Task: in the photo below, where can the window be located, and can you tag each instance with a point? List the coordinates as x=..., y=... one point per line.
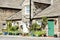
x=27, y=9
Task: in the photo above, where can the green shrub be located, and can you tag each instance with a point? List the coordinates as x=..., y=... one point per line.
x=38, y=33
x=1, y=33
x=34, y=27
x=12, y=30
x=44, y=22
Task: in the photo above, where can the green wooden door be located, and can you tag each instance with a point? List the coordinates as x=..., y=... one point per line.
x=50, y=28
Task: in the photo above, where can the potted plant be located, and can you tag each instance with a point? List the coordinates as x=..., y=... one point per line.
x=12, y=30
x=55, y=35
x=4, y=31
x=35, y=29
x=44, y=22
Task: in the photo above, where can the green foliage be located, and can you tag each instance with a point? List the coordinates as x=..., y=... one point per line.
x=44, y=22
x=12, y=29
x=9, y=24
x=38, y=33
x=37, y=30
x=1, y=33
x=34, y=26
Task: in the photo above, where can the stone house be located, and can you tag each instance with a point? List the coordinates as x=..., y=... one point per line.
x=17, y=12
x=9, y=10
x=51, y=10
x=22, y=17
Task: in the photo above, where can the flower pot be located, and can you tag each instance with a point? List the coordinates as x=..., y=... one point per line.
x=10, y=33
x=5, y=33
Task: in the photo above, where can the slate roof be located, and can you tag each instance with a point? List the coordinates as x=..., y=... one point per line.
x=15, y=16
x=11, y=3
x=53, y=10
x=42, y=1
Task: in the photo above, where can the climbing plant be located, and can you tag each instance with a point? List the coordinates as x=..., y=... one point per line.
x=44, y=22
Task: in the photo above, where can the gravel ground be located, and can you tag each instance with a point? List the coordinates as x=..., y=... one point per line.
x=26, y=38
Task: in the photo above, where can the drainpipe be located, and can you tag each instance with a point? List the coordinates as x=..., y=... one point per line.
x=30, y=15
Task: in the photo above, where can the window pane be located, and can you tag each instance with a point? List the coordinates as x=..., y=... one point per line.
x=27, y=9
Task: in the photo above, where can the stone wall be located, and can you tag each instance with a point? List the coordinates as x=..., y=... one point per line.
x=4, y=14
x=59, y=24
x=25, y=15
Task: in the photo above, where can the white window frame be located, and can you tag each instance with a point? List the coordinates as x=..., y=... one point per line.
x=27, y=10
